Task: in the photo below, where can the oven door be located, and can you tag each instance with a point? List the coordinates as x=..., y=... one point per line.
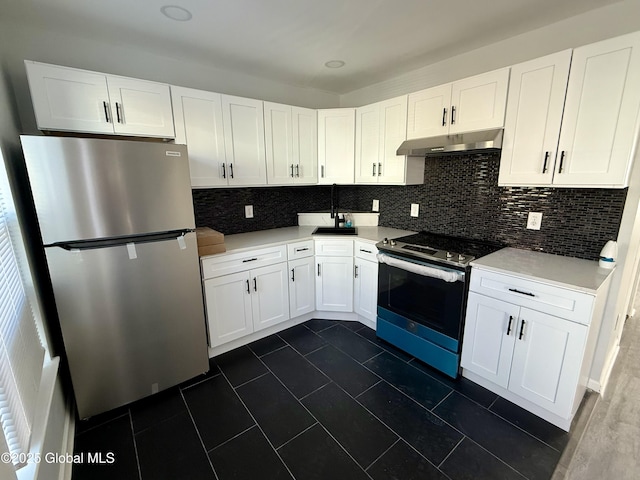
x=422, y=296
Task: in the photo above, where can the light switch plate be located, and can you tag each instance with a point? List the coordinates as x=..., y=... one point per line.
x=415, y=209
x=376, y=206
x=248, y=211
x=534, y=220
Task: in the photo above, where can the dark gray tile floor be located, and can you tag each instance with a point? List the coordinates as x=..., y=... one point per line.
x=322, y=400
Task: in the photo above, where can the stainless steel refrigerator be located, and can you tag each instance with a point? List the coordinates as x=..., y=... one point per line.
x=117, y=225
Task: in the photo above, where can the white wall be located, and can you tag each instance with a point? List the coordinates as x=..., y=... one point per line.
x=613, y=20
x=23, y=42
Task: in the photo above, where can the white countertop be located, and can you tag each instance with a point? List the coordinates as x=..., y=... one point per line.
x=568, y=272
x=278, y=236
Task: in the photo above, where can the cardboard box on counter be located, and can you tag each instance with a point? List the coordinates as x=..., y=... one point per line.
x=208, y=236
x=211, y=249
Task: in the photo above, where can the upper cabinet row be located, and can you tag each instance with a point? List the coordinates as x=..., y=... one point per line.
x=572, y=117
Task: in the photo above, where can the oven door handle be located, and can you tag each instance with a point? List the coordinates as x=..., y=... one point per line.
x=434, y=271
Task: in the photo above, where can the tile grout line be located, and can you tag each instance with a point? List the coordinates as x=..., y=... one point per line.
x=316, y=350
x=441, y=401
x=299, y=434
x=272, y=351
x=193, y=422
x=452, y=450
x=248, y=381
x=365, y=391
x=135, y=445
x=384, y=453
x=232, y=438
x=316, y=390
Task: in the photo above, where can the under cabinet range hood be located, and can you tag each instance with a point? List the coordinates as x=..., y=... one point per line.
x=485, y=140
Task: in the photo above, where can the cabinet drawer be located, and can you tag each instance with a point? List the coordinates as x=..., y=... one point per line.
x=551, y=299
x=300, y=249
x=334, y=248
x=367, y=251
x=238, y=262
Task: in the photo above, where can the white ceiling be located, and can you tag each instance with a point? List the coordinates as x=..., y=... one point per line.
x=290, y=40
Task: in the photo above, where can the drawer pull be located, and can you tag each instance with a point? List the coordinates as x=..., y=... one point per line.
x=521, y=330
x=365, y=251
x=248, y=289
x=249, y=260
x=509, y=326
x=302, y=249
x=515, y=290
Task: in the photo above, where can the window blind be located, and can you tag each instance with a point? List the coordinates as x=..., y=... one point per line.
x=21, y=351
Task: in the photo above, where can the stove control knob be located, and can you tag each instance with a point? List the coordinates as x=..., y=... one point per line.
x=461, y=258
x=393, y=243
x=385, y=241
x=449, y=254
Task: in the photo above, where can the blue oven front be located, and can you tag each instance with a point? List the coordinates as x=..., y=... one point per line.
x=421, y=311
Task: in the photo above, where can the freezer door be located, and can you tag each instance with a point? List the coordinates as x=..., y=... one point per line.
x=132, y=319
x=92, y=188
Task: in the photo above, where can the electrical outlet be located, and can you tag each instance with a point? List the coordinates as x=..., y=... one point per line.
x=415, y=209
x=376, y=206
x=248, y=211
x=534, y=220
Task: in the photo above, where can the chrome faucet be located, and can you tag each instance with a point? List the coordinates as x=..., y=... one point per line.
x=334, y=206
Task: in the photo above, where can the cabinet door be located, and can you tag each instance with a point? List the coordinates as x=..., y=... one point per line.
x=270, y=295
x=305, y=145
x=336, y=145
x=547, y=360
x=365, y=288
x=532, y=124
x=228, y=301
x=334, y=284
x=278, y=140
x=301, y=286
x=489, y=337
x=198, y=122
x=428, y=112
x=393, y=131
x=600, y=121
x=141, y=108
x=244, y=140
x=67, y=99
x=478, y=103
x=368, y=142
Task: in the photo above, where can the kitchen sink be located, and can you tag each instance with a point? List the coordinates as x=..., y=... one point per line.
x=335, y=231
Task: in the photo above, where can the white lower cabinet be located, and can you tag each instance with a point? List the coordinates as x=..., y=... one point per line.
x=301, y=286
x=515, y=345
x=365, y=280
x=334, y=284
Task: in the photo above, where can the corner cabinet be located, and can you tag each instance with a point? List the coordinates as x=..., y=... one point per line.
x=531, y=342
x=291, y=141
x=73, y=100
x=380, y=129
x=597, y=136
x=474, y=103
x=336, y=145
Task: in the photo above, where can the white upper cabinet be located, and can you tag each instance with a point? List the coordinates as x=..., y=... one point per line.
x=474, y=103
x=68, y=99
x=595, y=142
x=534, y=113
x=243, y=120
x=380, y=129
x=600, y=122
x=336, y=145
x=291, y=140
x=198, y=121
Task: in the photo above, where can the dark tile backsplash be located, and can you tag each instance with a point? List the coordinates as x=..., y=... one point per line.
x=460, y=197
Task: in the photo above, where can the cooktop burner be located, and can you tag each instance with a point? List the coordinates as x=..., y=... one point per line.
x=454, y=251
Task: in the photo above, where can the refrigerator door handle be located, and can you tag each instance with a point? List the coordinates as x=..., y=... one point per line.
x=114, y=242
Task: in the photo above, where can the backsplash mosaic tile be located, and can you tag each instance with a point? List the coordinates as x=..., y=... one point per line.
x=460, y=197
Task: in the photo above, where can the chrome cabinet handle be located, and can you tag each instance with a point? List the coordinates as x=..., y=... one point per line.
x=509, y=326
x=106, y=111
x=453, y=114
x=374, y=169
x=562, y=155
x=521, y=330
x=444, y=116
x=515, y=290
x=379, y=169
x=546, y=159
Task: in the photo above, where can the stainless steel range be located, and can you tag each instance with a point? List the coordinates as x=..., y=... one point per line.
x=422, y=294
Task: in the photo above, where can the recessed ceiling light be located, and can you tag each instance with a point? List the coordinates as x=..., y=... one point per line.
x=334, y=64
x=175, y=12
